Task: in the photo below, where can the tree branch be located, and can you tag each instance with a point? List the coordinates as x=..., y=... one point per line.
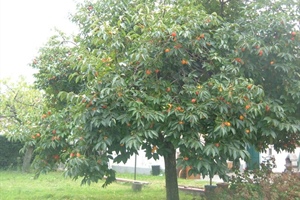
x=3, y=117
x=26, y=104
x=14, y=112
x=68, y=41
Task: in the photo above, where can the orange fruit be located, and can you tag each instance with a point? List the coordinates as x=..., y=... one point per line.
x=56, y=157
x=184, y=62
x=239, y=60
x=178, y=108
x=153, y=149
x=227, y=124
x=178, y=46
x=44, y=116
x=148, y=72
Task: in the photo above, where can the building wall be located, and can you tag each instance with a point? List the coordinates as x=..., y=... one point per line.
x=143, y=164
x=280, y=158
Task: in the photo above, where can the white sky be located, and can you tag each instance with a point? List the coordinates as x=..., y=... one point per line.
x=25, y=25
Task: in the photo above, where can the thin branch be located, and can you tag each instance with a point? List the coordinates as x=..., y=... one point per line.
x=4, y=116
x=16, y=95
x=26, y=104
x=14, y=112
x=11, y=116
x=68, y=41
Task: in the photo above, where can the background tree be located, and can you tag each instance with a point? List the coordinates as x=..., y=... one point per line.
x=166, y=76
x=20, y=110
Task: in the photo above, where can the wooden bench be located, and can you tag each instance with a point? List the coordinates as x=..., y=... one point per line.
x=130, y=181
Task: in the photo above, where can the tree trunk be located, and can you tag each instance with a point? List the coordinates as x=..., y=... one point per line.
x=171, y=173
x=27, y=159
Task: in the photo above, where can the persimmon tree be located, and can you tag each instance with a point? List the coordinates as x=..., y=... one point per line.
x=227, y=9
x=56, y=58
x=164, y=76
x=20, y=111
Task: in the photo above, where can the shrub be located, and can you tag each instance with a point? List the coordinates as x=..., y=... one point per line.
x=262, y=184
x=10, y=156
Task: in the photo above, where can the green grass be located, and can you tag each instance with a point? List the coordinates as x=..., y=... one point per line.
x=18, y=186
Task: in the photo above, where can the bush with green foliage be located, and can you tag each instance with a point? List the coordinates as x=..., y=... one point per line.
x=262, y=184
x=10, y=156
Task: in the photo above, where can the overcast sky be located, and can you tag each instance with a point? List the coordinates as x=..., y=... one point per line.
x=25, y=25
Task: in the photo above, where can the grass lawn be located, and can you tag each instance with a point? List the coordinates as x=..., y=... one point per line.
x=18, y=186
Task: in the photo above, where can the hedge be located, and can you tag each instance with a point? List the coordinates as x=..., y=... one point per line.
x=9, y=156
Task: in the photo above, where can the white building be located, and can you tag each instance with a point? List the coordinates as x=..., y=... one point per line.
x=280, y=158
x=145, y=166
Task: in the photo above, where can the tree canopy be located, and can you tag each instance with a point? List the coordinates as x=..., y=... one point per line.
x=162, y=76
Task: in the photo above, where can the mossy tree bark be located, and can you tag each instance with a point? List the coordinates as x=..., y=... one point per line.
x=27, y=159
